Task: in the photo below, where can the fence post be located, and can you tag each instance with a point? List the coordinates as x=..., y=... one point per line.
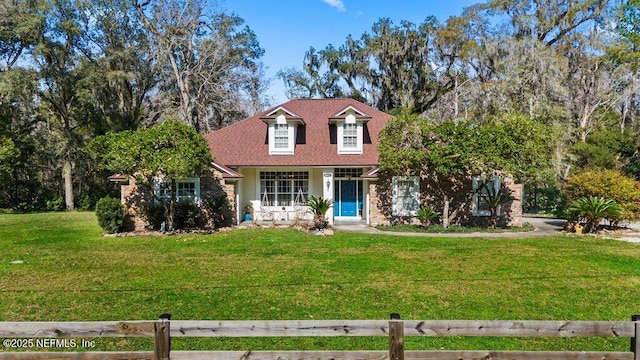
x=635, y=340
x=162, y=338
x=396, y=338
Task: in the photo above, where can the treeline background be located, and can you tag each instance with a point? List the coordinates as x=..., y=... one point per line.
x=71, y=70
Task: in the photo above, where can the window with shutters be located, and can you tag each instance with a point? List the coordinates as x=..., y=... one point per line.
x=186, y=189
x=406, y=195
x=483, y=188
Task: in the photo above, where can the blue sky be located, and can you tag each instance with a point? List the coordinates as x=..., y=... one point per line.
x=287, y=28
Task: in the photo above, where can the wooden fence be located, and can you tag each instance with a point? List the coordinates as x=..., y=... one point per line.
x=19, y=334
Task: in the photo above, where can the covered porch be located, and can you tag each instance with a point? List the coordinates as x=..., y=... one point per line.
x=278, y=195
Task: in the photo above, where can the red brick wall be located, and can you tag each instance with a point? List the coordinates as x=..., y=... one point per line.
x=380, y=195
x=136, y=198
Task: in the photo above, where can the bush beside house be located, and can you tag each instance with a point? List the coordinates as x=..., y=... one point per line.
x=607, y=184
x=155, y=160
x=452, y=160
x=110, y=214
x=148, y=215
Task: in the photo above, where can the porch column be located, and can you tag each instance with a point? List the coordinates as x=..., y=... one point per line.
x=239, y=209
x=327, y=190
x=367, y=201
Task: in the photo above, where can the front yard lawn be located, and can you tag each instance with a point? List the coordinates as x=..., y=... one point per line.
x=70, y=272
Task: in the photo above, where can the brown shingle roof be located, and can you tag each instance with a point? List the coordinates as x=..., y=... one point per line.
x=245, y=142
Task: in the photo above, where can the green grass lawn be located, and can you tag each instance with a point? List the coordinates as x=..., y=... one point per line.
x=70, y=272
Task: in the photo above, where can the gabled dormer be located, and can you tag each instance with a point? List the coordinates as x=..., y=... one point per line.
x=349, y=123
x=282, y=130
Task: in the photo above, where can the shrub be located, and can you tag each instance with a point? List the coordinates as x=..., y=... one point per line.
x=85, y=203
x=56, y=204
x=318, y=205
x=110, y=213
x=608, y=184
x=319, y=208
x=155, y=214
x=187, y=216
x=592, y=210
x=216, y=207
x=633, y=168
x=426, y=214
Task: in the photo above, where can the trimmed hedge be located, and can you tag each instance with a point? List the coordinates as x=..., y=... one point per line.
x=110, y=213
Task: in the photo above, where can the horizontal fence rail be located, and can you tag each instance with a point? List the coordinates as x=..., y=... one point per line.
x=164, y=329
x=319, y=328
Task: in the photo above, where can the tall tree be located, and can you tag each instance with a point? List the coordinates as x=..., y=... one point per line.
x=57, y=57
x=593, y=81
x=209, y=63
x=122, y=71
x=19, y=154
x=172, y=150
x=548, y=21
x=394, y=66
x=625, y=51
x=20, y=26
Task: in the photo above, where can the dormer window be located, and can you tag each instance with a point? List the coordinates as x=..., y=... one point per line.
x=282, y=128
x=281, y=136
x=350, y=136
x=350, y=125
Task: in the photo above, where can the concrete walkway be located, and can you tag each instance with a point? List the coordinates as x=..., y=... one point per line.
x=543, y=227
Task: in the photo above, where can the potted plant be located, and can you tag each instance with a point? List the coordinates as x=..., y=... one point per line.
x=319, y=207
x=248, y=210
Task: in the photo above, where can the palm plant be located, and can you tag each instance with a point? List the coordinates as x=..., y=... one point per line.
x=319, y=207
x=594, y=209
x=494, y=198
x=426, y=214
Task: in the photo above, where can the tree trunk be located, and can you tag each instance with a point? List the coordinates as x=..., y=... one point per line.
x=456, y=106
x=172, y=206
x=445, y=213
x=68, y=184
x=493, y=220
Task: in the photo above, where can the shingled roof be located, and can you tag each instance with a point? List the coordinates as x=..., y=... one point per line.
x=245, y=143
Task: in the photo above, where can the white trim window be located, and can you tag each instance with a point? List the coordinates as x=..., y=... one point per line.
x=350, y=135
x=281, y=188
x=186, y=189
x=406, y=195
x=481, y=193
x=281, y=136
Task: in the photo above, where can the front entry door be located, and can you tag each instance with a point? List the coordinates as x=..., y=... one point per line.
x=348, y=198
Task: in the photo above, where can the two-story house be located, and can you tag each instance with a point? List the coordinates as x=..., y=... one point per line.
x=322, y=147
x=273, y=161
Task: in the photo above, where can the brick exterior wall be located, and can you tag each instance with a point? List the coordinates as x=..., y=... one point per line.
x=136, y=198
x=380, y=195
x=513, y=209
x=214, y=185
x=376, y=216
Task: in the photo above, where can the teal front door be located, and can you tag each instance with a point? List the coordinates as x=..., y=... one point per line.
x=348, y=195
